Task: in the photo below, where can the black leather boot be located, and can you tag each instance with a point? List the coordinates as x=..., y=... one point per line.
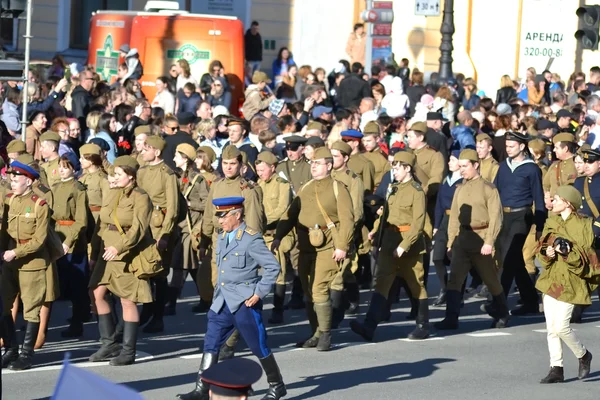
x=25, y=359
x=297, y=299
x=337, y=304
x=201, y=307
x=74, y=330
x=441, y=299
x=200, y=392
x=109, y=348
x=450, y=322
x=172, y=295
x=414, y=309
x=422, y=330
x=227, y=351
x=353, y=297
x=278, y=300
x=555, y=375
x=276, y=386
x=312, y=341
x=498, y=309
x=392, y=296
x=585, y=365
x=374, y=316
x=127, y=355
x=10, y=341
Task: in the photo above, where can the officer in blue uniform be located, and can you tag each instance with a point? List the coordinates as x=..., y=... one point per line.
x=519, y=182
x=237, y=300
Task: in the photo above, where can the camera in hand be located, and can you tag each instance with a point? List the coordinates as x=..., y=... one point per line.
x=564, y=245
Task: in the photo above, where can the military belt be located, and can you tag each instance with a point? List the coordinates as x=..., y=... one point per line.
x=270, y=232
x=475, y=227
x=304, y=228
x=512, y=210
x=399, y=228
x=63, y=222
x=112, y=227
x=159, y=208
x=23, y=241
x=95, y=208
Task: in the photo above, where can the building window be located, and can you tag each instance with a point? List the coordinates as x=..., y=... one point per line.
x=81, y=12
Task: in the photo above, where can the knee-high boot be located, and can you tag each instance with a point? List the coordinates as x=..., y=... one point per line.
x=127, y=355
x=200, y=392
x=25, y=359
x=109, y=348
x=375, y=314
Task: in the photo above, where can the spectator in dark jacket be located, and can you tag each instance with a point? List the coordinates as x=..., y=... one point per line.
x=470, y=100
x=506, y=91
x=183, y=135
x=218, y=95
x=353, y=88
x=81, y=98
x=415, y=91
x=215, y=71
x=253, y=46
x=188, y=99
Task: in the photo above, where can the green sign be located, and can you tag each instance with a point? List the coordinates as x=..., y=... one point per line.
x=189, y=53
x=107, y=60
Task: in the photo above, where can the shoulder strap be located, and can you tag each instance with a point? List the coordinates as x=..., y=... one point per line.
x=189, y=189
x=588, y=199
x=328, y=220
x=335, y=189
x=115, y=219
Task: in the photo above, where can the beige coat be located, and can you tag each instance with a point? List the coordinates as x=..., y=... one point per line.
x=355, y=48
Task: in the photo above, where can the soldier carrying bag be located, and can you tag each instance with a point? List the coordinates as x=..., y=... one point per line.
x=316, y=235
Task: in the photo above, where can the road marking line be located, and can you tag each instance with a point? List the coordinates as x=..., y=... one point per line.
x=541, y=330
x=424, y=340
x=489, y=334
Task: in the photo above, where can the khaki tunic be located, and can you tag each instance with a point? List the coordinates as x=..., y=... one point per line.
x=488, y=168
x=51, y=170
x=475, y=220
x=70, y=205
x=429, y=170
x=380, y=162
x=559, y=173
x=25, y=227
x=97, y=187
x=361, y=166
x=297, y=173
x=133, y=209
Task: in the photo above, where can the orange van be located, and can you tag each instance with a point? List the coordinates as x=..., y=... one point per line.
x=164, y=37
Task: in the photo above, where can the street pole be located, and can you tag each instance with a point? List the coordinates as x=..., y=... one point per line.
x=369, y=44
x=446, y=47
x=26, y=72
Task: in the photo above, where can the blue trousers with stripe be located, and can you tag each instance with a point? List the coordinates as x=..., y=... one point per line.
x=248, y=321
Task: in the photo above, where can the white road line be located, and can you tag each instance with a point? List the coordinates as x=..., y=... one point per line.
x=541, y=330
x=425, y=340
x=489, y=334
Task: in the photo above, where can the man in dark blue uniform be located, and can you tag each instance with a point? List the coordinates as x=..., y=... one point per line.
x=519, y=182
x=237, y=300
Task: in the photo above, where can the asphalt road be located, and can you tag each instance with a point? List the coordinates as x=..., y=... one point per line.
x=472, y=363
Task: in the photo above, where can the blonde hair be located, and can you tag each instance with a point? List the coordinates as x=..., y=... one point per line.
x=505, y=81
x=92, y=119
x=203, y=127
x=336, y=133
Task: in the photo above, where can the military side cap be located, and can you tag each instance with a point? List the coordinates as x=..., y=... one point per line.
x=185, y=118
x=19, y=168
x=563, y=114
x=342, y=147
x=419, y=127
x=236, y=121
x=212, y=156
x=352, y=134
x=469, y=154
x=314, y=125
x=187, y=149
x=583, y=148
x=295, y=139
x=405, y=157
x=52, y=136
x=259, y=77
x=322, y=152
x=90, y=148
x=142, y=129
x=482, y=136
x=314, y=141
x=517, y=137
x=371, y=127
x=16, y=146
x=537, y=145
x=266, y=157
x=590, y=155
x=563, y=137
x=226, y=204
x=232, y=378
x=126, y=161
x=157, y=142
x=230, y=152
x=26, y=158
x=570, y=194
x=103, y=144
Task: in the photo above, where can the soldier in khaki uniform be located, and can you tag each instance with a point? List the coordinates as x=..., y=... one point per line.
x=341, y=152
x=159, y=181
x=474, y=225
x=231, y=185
x=324, y=221
x=94, y=177
x=562, y=171
x=26, y=258
x=401, y=247
x=15, y=148
x=49, y=149
x=277, y=196
x=141, y=133
x=358, y=163
x=488, y=165
x=373, y=152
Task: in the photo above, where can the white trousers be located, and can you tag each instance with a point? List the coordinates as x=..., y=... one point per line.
x=558, y=317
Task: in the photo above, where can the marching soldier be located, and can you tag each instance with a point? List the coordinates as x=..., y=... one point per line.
x=14, y=149
x=26, y=258
x=159, y=181
x=324, y=221
x=94, y=177
x=474, y=224
x=49, y=142
x=487, y=164
x=519, y=182
x=358, y=163
x=401, y=247
x=373, y=152
x=239, y=292
x=562, y=171
x=277, y=196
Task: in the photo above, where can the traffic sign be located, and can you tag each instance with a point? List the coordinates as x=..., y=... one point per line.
x=428, y=7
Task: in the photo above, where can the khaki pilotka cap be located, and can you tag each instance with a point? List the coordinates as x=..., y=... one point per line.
x=570, y=194
x=372, y=128
x=267, y=157
x=51, y=136
x=16, y=146
x=405, y=157
x=187, y=150
x=342, y=147
x=142, y=129
x=126, y=161
x=212, y=156
x=469, y=154
x=563, y=137
x=321, y=153
x=90, y=148
x=157, y=142
x=230, y=152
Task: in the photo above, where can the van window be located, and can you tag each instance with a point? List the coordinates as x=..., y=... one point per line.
x=81, y=12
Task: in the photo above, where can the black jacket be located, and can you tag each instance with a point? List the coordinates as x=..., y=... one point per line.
x=253, y=46
x=505, y=94
x=352, y=90
x=414, y=94
x=80, y=105
x=172, y=142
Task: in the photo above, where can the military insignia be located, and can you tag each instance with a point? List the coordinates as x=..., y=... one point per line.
x=239, y=234
x=54, y=172
x=28, y=210
x=373, y=202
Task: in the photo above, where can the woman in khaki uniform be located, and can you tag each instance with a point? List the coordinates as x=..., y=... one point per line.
x=566, y=253
x=94, y=177
x=402, y=246
x=70, y=214
x=194, y=189
x=124, y=231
